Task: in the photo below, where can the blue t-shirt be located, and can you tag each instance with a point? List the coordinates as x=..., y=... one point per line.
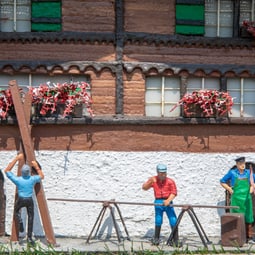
x=25, y=185
x=234, y=174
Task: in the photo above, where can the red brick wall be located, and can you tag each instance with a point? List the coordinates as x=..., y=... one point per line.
x=57, y=51
x=150, y=16
x=183, y=138
x=89, y=15
x=134, y=93
x=103, y=92
x=189, y=55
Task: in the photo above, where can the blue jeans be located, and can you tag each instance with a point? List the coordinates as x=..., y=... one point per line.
x=159, y=210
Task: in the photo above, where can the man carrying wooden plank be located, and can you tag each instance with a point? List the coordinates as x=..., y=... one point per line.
x=25, y=185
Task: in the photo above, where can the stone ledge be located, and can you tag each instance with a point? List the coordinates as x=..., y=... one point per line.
x=133, y=120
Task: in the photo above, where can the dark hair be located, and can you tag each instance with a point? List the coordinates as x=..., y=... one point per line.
x=247, y=166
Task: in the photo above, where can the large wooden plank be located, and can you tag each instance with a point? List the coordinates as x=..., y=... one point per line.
x=29, y=153
x=27, y=107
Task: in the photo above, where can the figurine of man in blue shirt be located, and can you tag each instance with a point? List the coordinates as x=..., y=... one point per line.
x=25, y=185
x=238, y=183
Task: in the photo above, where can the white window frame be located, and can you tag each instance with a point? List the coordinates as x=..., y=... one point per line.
x=240, y=102
x=250, y=12
x=168, y=105
x=219, y=13
x=203, y=81
x=163, y=104
x=17, y=18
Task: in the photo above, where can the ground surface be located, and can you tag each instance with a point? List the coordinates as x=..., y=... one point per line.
x=135, y=244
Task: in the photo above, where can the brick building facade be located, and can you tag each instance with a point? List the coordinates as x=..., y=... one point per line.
x=122, y=48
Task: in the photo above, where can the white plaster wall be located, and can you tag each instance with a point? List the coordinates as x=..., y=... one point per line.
x=105, y=175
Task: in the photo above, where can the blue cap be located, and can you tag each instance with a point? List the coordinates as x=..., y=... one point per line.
x=161, y=168
x=25, y=170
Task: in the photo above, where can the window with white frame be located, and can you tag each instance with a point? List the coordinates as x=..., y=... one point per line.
x=30, y=15
x=218, y=18
x=34, y=80
x=15, y=15
x=247, y=9
x=243, y=92
x=162, y=93
x=213, y=18
x=194, y=83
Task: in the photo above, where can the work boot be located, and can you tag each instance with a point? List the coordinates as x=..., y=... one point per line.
x=175, y=241
x=249, y=233
x=155, y=240
x=30, y=241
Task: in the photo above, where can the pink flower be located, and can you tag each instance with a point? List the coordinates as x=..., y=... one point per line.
x=210, y=101
x=47, y=96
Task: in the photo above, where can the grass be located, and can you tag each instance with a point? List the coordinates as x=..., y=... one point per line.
x=39, y=250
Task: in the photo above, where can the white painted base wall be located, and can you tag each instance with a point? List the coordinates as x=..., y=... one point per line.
x=105, y=175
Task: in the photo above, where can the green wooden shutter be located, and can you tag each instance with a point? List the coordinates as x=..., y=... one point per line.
x=46, y=15
x=189, y=16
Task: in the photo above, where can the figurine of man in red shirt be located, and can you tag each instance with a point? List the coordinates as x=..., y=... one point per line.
x=164, y=191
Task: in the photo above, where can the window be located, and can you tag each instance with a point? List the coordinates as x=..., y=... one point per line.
x=163, y=93
x=218, y=18
x=27, y=80
x=247, y=10
x=243, y=92
x=202, y=83
x=30, y=15
x=15, y=15
x=213, y=18
x=24, y=81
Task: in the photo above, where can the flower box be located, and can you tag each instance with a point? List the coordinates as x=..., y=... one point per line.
x=77, y=111
x=206, y=103
x=51, y=100
x=61, y=99
x=6, y=104
x=248, y=28
x=195, y=111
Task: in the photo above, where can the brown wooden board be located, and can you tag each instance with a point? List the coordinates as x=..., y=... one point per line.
x=27, y=107
x=30, y=156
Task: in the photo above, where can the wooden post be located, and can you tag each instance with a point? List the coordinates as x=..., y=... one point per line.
x=30, y=156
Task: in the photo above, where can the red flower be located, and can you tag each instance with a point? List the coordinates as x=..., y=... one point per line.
x=210, y=101
x=48, y=96
x=249, y=26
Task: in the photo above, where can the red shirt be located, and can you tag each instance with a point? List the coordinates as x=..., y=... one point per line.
x=165, y=188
